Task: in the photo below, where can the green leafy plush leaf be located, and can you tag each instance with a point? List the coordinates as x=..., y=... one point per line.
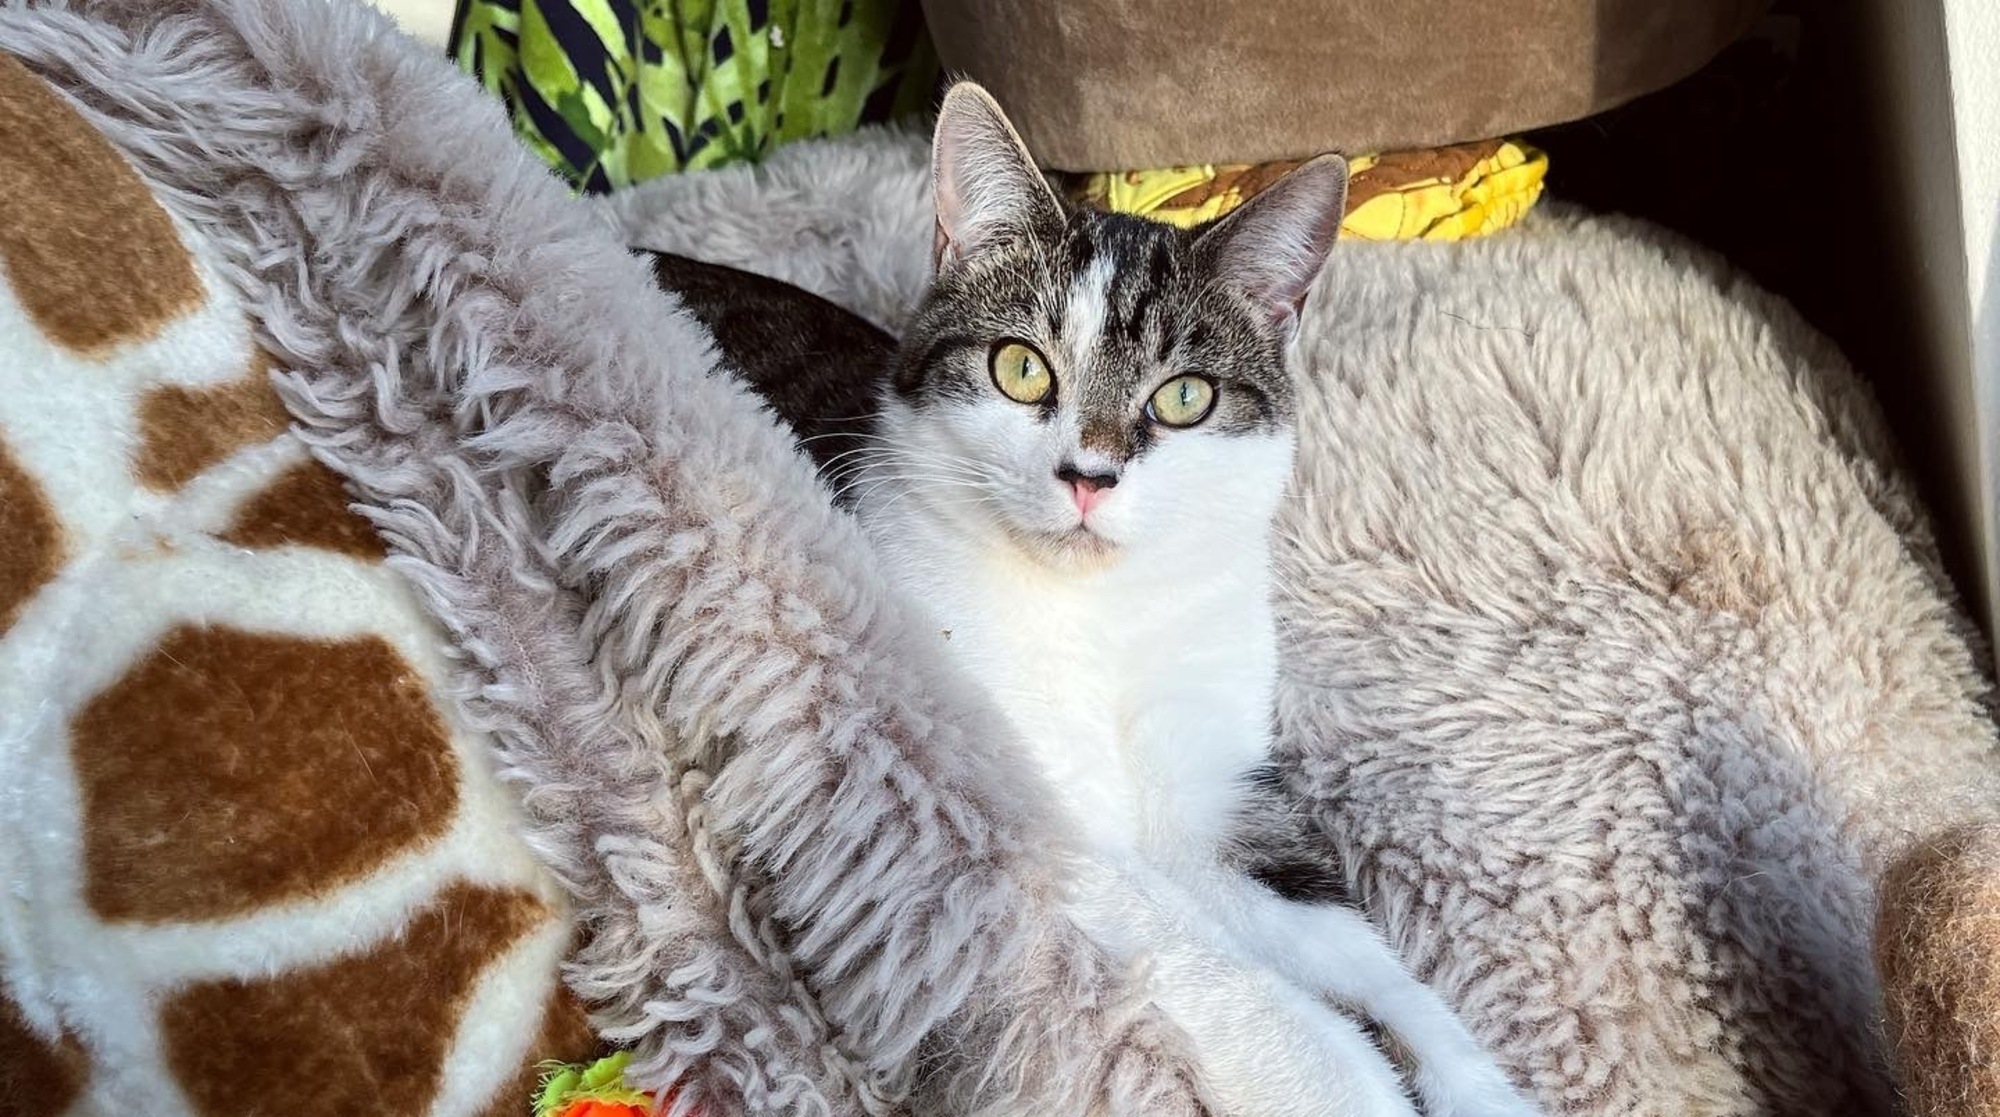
x=688, y=84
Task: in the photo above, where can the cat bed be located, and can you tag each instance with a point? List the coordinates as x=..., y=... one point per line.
x=1618, y=668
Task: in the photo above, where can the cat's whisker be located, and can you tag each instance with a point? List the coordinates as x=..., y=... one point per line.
x=936, y=478
x=885, y=451
x=865, y=436
x=894, y=499
x=980, y=499
x=931, y=475
x=875, y=459
x=946, y=491
x=934, y=457
x=868, y=487
x=862, y=459
x=932, y=498
x=877, y=455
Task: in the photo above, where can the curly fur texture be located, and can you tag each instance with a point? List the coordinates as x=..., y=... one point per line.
x=1616, y=662
x=1938, y=949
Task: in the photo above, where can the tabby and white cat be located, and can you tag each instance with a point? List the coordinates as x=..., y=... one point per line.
x=1074, y=465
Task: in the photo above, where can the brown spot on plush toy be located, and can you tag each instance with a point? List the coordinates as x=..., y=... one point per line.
x=184, y=429
x=37, y=1074
x=230, y=770
x=346, y=1037
x=31, y=539
x=91, y=256
x=564, y=1036
x=1937, y=946
x=305, y=507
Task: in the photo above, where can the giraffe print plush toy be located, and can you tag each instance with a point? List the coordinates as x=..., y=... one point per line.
x=251, y=861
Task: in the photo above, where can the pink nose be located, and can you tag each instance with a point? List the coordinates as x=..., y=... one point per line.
x=1086, y=494
x=1086, y=489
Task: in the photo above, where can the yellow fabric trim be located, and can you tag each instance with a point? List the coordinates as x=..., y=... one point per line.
x=1492, y=195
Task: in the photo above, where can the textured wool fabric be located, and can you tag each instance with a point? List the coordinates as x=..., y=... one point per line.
x=1121, y=85
x=1618, y=663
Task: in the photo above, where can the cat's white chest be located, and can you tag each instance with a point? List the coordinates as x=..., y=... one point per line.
x=1144, y=695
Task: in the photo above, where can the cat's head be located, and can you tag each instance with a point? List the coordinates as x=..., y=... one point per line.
x=1086, y=384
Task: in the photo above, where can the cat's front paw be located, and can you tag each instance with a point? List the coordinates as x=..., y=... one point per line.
x=1513, y=1106
x=1486, y=1094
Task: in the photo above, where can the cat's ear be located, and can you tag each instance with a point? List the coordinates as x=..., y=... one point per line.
x=1272, y=247
x=988, y=190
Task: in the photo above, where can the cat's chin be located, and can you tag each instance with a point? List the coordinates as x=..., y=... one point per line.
x=1077, y=549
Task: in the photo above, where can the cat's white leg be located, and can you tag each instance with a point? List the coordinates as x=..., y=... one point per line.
x=1335, y=952
x=1267, y=1048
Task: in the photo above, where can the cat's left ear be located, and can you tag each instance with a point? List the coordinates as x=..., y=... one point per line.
x=1273, y=246
x=987, y=188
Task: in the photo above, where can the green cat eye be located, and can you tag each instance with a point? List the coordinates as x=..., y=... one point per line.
x=1021, y=374
x=1181, y=402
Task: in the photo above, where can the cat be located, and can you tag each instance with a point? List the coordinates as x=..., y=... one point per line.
x=1073, y=461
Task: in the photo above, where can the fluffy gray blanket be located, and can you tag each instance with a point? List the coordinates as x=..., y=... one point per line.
x=1617, y=662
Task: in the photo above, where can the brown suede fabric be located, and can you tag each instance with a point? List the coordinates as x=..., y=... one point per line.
x=1129, y=84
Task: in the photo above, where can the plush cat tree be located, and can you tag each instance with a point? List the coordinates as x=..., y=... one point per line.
x=1619, y=669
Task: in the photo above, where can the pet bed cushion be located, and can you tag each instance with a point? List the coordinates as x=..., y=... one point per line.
x=1617, y=667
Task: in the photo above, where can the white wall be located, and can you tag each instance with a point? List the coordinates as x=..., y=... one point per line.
x=429, y=21
x=1915, y=56
x=1972, y=45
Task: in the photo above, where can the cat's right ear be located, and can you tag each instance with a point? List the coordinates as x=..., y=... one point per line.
x=987, y=187
x=1273, y=246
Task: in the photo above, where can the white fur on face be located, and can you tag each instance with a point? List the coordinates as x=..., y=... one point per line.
x=1083, y=324
x=991, y=466
x=991, y=463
